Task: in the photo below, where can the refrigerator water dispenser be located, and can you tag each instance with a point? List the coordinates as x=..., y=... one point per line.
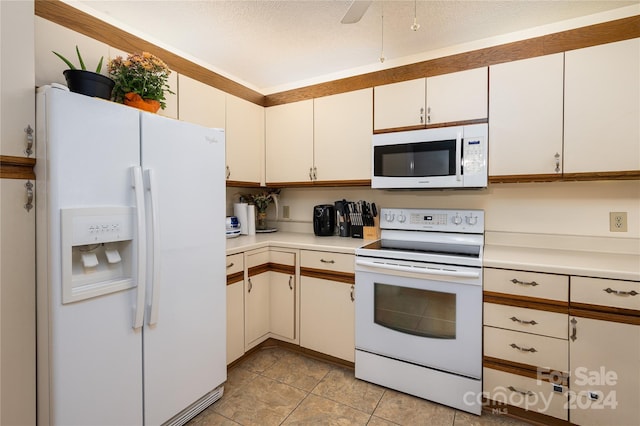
x=97, y=251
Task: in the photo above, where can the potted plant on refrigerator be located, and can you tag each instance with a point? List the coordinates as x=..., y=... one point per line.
x=86, y=82
x=141, y=81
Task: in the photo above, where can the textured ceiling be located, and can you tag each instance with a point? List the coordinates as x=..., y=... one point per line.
x=276, y=45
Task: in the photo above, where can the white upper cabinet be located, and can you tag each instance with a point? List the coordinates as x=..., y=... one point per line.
x=17, y=76
x=289, y=142
x=602, y=108
x=399, y=104
x=342, y=136
x=245, y=141
x=446, y=98
x=200, y=104
x=458, y=96
x=525, y=110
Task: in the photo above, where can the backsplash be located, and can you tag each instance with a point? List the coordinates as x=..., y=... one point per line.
x=568, y=208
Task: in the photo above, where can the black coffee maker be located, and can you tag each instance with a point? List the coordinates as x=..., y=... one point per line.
x=324, y=220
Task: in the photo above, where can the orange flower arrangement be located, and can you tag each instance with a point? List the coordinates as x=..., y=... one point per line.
x=142, y=74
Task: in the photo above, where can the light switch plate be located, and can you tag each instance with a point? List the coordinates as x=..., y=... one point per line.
x=618, y=221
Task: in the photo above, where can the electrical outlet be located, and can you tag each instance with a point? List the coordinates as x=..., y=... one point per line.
x=285, y=212
x=618, y=221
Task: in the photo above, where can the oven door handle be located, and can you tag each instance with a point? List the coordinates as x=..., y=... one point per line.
x=424, y=271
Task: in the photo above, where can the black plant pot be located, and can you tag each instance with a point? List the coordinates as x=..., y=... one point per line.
x=89, y=83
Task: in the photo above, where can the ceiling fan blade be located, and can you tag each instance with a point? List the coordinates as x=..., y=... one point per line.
x=356, y=11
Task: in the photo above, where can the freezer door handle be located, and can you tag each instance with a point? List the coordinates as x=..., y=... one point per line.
x=138, y=187
x=155, y=248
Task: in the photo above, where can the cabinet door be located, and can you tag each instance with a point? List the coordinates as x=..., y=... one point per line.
x=256, y=309
x=525, y=106
x=605, y=369
x=17, y=76
x=289, y=142
x=235, y=321
x=399, y=104
x=245, y=141
x=342, y=136
x=327, y=317
x=602, y=108
x=200, y=104
x=282, y=310
x=457, y=96
x=17, y=306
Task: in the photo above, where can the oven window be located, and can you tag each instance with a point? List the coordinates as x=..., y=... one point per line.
x=419, y=312
x=421, y=159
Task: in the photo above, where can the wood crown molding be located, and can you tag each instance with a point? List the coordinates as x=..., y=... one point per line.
x=607, y=32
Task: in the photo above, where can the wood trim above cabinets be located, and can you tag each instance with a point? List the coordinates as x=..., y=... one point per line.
x=17, y=167
x=74, y=19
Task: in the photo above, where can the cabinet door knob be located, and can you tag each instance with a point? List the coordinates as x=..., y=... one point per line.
x=29, y=149
x=250, y=286
x=574, y=329
x=29, y=190
x=353, y=288
x=557, y=157
x=228, y=172
x=290, y=282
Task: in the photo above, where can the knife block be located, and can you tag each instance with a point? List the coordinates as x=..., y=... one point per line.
x=372, y=232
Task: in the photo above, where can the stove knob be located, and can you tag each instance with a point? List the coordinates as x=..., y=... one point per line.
x=389, y=217
x=471, y=220
x=401, y=218
x=457, y=219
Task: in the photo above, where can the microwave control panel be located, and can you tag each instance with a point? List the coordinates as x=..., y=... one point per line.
x=473, y=155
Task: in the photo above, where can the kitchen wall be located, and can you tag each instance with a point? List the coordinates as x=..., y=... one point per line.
x=568, y=208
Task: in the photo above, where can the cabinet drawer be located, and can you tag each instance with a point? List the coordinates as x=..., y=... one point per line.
x=257, y=258
x=282, y=257
x=600, y=291
x=525, y=348
x=535, y=321
x=525, y=392
x=235, y=263
x=335, y=262
x=528, y=284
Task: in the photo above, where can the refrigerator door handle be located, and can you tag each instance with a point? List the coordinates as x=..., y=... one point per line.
x=155, y=249
x=138, y=187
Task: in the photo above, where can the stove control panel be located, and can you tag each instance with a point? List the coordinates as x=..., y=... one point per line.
x=442, y=220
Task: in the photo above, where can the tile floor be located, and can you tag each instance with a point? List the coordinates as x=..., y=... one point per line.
x=275, y=386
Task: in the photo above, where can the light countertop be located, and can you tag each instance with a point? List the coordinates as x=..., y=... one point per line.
x=591, y=257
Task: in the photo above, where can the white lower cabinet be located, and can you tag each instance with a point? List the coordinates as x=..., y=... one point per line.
x=235, y=307
x=327, y=317
x=327, y=311
x=270, y=296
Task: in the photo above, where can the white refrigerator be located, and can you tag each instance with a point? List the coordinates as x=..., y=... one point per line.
x=130, y=264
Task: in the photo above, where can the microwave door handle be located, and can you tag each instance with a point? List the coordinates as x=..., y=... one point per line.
x=459, y=157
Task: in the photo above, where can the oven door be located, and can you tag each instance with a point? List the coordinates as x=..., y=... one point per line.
x=426, y=314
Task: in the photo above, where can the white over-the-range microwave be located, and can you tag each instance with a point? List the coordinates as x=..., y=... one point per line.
x=445, y=157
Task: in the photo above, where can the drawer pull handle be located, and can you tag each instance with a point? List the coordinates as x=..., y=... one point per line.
x=574, y=329
x=620, y=292
x=514, y=346
x=525, y=393
x=531, y=283
x=230, y=265
x=328, y=261
x=514, y=319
